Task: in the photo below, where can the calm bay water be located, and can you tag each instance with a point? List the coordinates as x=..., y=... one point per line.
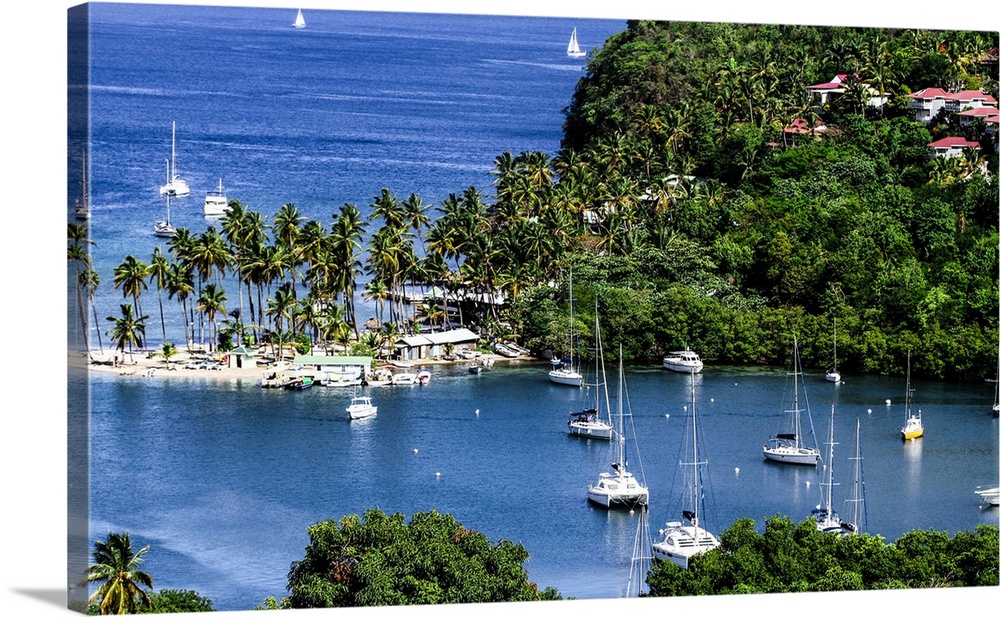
x=222, y=479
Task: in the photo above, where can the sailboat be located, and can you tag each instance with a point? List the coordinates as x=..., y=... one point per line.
x=642, y=559
x=827, y=518
x=684, y=539
x=588, y=423
x=573, y=49
x=563, y=371
x=164, y=229
x=300, y=21
x=216, y=202
x=996, y=389
x=789, y=447
x=619, y=487
x=913, y=426
x=175, y=186
x=833, y=374
x=82, y=209
x=858, y=509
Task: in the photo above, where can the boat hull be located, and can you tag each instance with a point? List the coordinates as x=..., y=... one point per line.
x=566, y=378
x=990, y=496
x=791, y=455
x=681, y=543
x=618, y=490
x=591, y=430
x=359, y=413
x=833, y=376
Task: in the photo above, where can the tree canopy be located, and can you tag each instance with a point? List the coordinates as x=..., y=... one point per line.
x=384, y=560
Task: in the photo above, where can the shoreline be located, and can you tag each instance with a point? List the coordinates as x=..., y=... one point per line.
x=140, y=365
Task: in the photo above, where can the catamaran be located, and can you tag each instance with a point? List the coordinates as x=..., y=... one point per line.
x=175, y=186
x=684, y=539
x=619, y=487
x=216, y=202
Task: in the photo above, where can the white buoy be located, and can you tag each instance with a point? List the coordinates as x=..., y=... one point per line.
x=737, y=470
x=711, y=400
x=869, y=410
x=437, y=474
x=415, y=450
x=807, y=482
x=888, y=402
x=667, y=416
x=477, y=412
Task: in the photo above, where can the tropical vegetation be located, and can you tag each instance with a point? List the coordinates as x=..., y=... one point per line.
x=789, y=557
x=384, y=560
x=122, y=587
x=687, y=213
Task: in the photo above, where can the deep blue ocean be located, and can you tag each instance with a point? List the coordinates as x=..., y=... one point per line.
x=222, y=479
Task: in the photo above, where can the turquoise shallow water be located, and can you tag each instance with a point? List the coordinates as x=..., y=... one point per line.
x=222, y=479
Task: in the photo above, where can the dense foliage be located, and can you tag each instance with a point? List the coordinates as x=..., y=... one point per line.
x=686, y=211
x=121, y=584
x=794, y=558
x=386, y=561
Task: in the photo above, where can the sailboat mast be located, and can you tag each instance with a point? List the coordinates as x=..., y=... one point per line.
x=168, y=197
x=829, y=475
x=795, y=375
x=694, y=443
x=856, y=493
x=172, y=173
x=835, y=344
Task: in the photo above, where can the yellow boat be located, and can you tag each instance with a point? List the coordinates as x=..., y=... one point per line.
x=914, y=426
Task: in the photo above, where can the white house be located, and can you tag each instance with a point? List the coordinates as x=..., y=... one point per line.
x=926, y=103
x=951, y=146
x=969, y=99
x=989, y=115
x=424, y=346
x=822, y=94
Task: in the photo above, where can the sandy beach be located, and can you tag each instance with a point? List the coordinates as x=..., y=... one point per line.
x=140, y=365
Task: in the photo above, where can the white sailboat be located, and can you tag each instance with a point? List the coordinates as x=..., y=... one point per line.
x=913, y=425
x=833, y=374
x=684, y=539
x=300, y=21
x=82, y=207
x=216, y=202
x=563, y=371
x=827, y=518
x=856, y=504
x=789, y=447
x=175, y=186
x=163, y=228
x=573, y=49
x=588, y=423
x=619, y=487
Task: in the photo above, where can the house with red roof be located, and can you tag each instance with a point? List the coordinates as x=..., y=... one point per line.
x=825, y=93
x=969, y=99
x=929, y=101
x=951, y=146
x=926, y=103
x=989, y=115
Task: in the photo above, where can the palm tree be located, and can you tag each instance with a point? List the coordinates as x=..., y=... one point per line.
x=159, y=272
x=89, y=280
x=211, y=303
x=128, y=330
x=116, y=569
x=180, y=283
x=78, y=255
x=130, y=275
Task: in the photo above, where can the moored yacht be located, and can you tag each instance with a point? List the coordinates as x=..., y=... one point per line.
x=216, y=202
x=685, y=361
x=588, y=423
x=789, y=447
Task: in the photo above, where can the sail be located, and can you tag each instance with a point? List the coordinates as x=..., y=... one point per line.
x=300, y=21
x=573, y=49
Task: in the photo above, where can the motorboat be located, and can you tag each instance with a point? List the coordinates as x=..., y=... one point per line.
x=341, y=380
x=588, y=423
x=361, y=407
x=467, y=354
x=423, y=377
x=506, y=350
x=789, y=447
x=379, y=377
x=913, y=424
x=175, y=186
x=475, y=368
x=686, y=538
x=302, y=382
x=619, y=487
x=685, y=361
x=216, y=202
x=404, y=379
x=989, y=496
